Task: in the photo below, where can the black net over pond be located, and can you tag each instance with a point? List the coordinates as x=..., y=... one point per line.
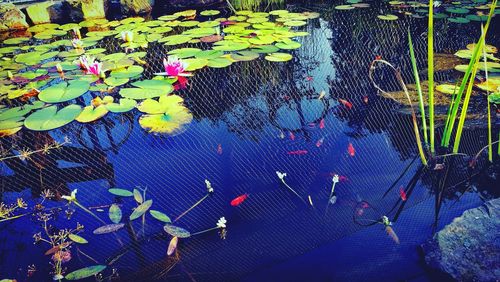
x=252, y=119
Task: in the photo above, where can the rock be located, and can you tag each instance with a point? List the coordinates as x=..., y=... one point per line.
x=59, y=11
x=87, y=9
x=39, y=13
x=468, y=248
x=135, y=7
x=11, y=18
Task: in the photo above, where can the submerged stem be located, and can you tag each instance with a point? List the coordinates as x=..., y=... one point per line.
x=291, y=189
x=88, y=211
x=192, y=207
x=205, y=231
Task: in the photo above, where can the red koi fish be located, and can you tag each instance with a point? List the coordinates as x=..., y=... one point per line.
x=292, y=136
x=322, y=123
x=320, y=142
x=346, y=103
x=402, y=193
x=378, y=57
x=309, y=78
x=238, y=200
x=351, y=150
x=219, y=149
x=392, y=234
x=361, y=210
x=298, y=152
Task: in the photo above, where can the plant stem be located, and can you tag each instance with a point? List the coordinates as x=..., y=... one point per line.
x=192, y=207
x=204, y=231
x=490, y=148
x=291, y=189
x=88, y=211
x=430, y=73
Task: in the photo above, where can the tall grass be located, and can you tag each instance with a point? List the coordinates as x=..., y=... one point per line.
x=430, y=73
x=468, y=79
x=490, y=147
x=419, y=88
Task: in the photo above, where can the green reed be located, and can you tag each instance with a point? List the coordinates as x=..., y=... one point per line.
x=419, y=88
x=430, y=73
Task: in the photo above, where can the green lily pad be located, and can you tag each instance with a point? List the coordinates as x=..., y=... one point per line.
x=494, y=98
x=151, y=106
x=388, y=17
x=279, y=57
x=141, y=93
x=344, y=7
x=209, y=54
x=457, y=10
x=64, y=91
x=115, y=213
x=447, y=88
x=295, y=23
x=244, y=56
x=129, y=72
x=124, y=105
x=160, y=216
x=226, y=45
x=183, y=53
x=141, y=209
x=15, y=40
x=288, y=45
x=195, y=64
x=459, y=20
x=90, y=113
x=175, y=39
x=49, y=118
x=163, y=85
x=116, y=81
x=219, y=63
x=265, y=49
x=210, y=13
x=85, y=272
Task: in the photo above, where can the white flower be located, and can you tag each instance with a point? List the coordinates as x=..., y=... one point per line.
x=222, y=222
x=437, y=4
x=210, y=189
x=281, y=175
x=72, y=197
x=335, y=178
x=127, y=36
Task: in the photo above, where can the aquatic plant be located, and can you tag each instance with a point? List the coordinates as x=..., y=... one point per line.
x=174, y=67
x=281, y=176
x=25, y=154
x=72, y=200
x=210, y=191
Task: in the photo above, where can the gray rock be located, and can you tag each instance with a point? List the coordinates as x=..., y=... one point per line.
x=468, y=249
x=11, y=18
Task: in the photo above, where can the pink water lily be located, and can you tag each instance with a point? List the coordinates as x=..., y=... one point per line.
x=94, y=68
x=90, y=65
x=174, y=67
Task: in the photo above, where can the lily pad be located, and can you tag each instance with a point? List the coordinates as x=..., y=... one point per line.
x=91, y=113
x=49, y=118
x=388, y=17
x=244, y=56
x=64, y=91
x=288, y=45
x=85, y=272
x=161, y=106
x=195, y=64
x=124, y=105
x=279, y=57
x=129, y=72
x=176, y=231
x=447, y=88
x=219, y=63
x=141, y=209
x=116, y=81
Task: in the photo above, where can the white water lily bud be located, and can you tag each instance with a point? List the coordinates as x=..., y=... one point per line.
x=335, y=178
x=281, y=175
x=222, y=222
x=210, y=189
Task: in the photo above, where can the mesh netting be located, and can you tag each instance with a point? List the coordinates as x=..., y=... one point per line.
x=245, y=108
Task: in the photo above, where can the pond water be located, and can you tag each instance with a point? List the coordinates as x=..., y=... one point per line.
x=250, y=120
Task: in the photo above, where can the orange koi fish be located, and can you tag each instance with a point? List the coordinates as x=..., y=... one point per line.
x=322, y=123
x=219, y=149
x=351, y=150
x=238, y=200
x=378, y=57
x=172, y=246
x=298, y=152
x=392, y=234
x=320, y=142
x=309, y=78
x=346, y=103
x=402, y=193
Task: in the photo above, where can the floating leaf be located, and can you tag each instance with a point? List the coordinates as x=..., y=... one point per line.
x=77, y=239
x=115, y=81
x=288, y=45
x=388, y=17
x=244, y=56
x=447, y=88
x=91, y=113
x=49, y=118
x=115, y=213
x=163, y=85
x=172, y=245
x=141, y=93
x=129, y=72
x=64, y=91
x=265, y=49
x=160, y=216
x=210, y=13
x=125, y=105
x=141, y=209
x=219, y=63
x=161, y=106
x=108, y=228
x=85, y=272
x=195, y=64
x=183, y=53
x=138, y=196
x=120, y=192
x=279, y=57
x=176, y=231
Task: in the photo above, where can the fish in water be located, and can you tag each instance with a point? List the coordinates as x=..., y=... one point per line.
x=219, y=149
x=282, y=135
x=402, y=193
x=351, y=150
x=322, y=123
x=320, y=142
x=322, y=94
x=392, y=234
x=238, y=200
x=292, y=136
x=346, y=103
x=297, y=152
x=365, y=99
x=309, y=78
